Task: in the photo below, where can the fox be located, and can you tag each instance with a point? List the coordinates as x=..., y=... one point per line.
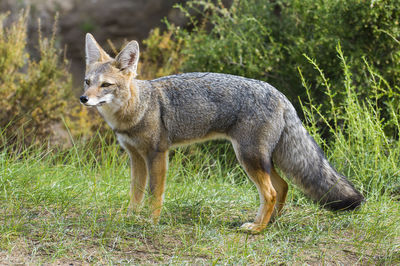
x=149, y=117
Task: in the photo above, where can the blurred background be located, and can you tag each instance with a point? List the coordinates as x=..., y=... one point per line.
x=118, y=20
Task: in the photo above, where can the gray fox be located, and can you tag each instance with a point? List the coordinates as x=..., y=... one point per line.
x=151, y=116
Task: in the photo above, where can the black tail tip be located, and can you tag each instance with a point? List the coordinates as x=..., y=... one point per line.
x=347, y=204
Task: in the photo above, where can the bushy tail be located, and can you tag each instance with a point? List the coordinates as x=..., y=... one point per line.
x=300, y=158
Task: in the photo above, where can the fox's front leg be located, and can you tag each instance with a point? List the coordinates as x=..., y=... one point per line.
x=138, y=180
x=157, y=164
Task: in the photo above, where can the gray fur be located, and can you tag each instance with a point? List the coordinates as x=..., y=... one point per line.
x=259, y=120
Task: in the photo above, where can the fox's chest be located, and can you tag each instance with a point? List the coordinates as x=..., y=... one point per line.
x=125, y=141
x=109, y=116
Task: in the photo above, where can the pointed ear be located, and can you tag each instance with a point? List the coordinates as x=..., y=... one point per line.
x=94, y=53
x=128, y=58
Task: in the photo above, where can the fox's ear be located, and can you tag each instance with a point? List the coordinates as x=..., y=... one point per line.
x=128, y=58
x=94, y=53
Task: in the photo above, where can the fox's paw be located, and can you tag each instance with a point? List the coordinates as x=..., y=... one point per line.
x=252, y=228
x=133, y=208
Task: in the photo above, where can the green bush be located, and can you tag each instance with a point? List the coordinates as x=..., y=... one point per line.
x=33, y=93
x=36, y=100
x=162, y=54
x=267, y=40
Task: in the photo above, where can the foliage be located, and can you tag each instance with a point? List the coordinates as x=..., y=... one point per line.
x=32, y=92
x=267, y=39
x=162, y=53
x=35, y=93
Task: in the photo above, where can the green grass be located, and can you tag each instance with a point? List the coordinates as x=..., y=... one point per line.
x=63, y=207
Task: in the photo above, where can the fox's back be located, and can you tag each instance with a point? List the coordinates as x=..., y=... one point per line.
x=200, y=105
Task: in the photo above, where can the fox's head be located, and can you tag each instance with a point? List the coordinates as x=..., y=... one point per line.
x=107, y=79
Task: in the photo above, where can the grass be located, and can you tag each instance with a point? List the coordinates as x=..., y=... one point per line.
x=70, y=206
x=66, y=207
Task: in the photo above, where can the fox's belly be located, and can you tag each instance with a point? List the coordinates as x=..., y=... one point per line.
x=186, y=140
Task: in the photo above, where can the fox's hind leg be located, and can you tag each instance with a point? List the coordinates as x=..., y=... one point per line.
x=138, y=180
x=258, y=169
x=281, y=188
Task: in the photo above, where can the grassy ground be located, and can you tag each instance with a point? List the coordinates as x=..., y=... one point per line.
x=71, y=207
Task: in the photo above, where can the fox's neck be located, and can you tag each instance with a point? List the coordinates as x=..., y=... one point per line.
x=122, y=114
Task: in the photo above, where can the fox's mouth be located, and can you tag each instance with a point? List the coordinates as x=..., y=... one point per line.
x=95, y=105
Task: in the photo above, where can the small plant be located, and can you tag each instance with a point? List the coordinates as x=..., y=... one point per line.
x=162, y=53
x=33, y=93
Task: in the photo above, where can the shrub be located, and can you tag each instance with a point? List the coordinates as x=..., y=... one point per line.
x=161, y=56
x=267, y=39
x=35, y=94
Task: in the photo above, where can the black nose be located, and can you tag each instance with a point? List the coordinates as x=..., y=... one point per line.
x=84, y=99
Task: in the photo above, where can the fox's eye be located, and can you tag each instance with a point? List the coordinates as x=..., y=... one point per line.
x=106, y=84
x=87, y=82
